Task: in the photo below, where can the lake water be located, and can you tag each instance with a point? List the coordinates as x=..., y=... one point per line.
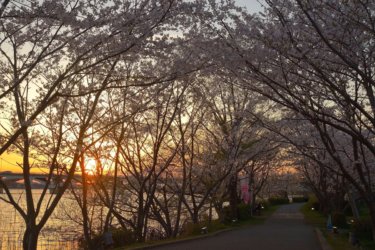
x=63, y=229
x=59, y=232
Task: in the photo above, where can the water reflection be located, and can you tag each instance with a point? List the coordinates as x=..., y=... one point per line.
x=58, y=233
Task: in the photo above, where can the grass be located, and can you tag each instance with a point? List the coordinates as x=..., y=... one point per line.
x=213, y=229
x=312, y=217
x=336, y=241
x=318, y=220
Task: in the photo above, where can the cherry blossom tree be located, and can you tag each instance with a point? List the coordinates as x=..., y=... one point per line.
x=235, y=133
x=48, y=51
x=315, y=58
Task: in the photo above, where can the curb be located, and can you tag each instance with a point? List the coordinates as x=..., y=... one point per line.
x=198, y=237
x=183, y=240
x=322, y=241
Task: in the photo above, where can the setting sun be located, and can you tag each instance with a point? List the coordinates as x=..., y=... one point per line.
x=90, y=166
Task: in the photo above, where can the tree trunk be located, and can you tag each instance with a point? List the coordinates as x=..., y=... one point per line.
x=353, y=204
x=84, y=208
x=30, y=238
x=195, y=217
x=86, y=232
x=219, y=210
x=140, y=226
x=233, y=200
x=210, y=214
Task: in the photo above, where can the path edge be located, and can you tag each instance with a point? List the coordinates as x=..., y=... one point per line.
x=203, y=236
x=322, y=241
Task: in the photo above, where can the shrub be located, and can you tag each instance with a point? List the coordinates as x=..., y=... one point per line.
x=347, y=209
x=339, y=219
x=123, y=237
x=191, y=228
x=215, y=225
x=315, y=205
x=227, y=215
x=265, y=204
x=244, y=212
x=278, y=200
x=300, y=199
x=362, y=228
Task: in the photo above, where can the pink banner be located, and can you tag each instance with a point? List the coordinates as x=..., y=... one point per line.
x=245, y=194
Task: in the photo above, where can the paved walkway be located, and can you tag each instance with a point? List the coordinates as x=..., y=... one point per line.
x=284, y=230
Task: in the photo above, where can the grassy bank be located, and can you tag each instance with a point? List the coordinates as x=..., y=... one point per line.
x=339, y=241
x=213, y=229
x=316, y=219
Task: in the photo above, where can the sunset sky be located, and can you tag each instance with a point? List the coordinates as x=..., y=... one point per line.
x=9, y=161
